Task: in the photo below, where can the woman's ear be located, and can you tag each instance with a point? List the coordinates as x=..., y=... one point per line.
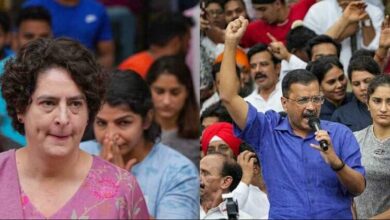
x=20, y=118
x=148, y=119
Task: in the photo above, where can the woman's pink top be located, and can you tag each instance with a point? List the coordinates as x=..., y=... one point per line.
x=108, y=192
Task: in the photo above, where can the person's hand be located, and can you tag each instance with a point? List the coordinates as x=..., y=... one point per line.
x=235, y=30
x=329, y=156
x=384, y=39
x=247, y=161
x=111, y=153
x=106, y=152
x=355, y=11
x=204, y=23
x=278, y=49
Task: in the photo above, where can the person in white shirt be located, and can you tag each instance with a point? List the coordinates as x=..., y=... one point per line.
x=251, y=193
x=316, y=47
x=218, y=175
x=355, y=24
x=265, y=70
x=295, y=54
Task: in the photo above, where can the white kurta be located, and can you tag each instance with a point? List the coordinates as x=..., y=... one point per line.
x=322, y=15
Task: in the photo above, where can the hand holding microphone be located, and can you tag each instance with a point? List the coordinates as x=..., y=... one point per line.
x=323, y=138
x=314, y=124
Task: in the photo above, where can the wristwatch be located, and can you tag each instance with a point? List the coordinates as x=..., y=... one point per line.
x=336, y=169
x=366, y=23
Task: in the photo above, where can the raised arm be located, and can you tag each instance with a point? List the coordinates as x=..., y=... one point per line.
x=229, y=83
x=348, y=23
x=278, y=49
x=384, y=43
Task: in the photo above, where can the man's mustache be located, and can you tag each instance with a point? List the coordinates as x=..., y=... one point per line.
x=260, y=75
x=309, y=114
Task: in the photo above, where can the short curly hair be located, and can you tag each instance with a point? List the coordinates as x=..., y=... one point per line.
x=21, y=73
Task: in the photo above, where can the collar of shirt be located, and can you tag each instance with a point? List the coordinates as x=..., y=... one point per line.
x=284, y=125
x=221, y=208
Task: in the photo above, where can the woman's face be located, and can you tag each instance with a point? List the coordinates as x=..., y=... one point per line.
x=169, y=96
x=379, y=106
x=215, y=15
x=334, y=85
x=359, y=82
x=122, y=122
x=57, y=116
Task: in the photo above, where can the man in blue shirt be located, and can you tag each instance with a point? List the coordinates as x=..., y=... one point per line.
x=302, y=180
x=83, y=20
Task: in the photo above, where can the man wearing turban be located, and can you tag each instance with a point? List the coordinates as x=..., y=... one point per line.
x=219, y=138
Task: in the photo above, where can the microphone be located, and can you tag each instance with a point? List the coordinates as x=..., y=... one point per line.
x=231, y=206
x=314, y=124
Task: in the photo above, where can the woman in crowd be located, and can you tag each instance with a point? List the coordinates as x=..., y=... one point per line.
x=176, y=109
x=129, y=137
x=374, y=143
x=354, y=114
x=333, y=84
x=50, y=99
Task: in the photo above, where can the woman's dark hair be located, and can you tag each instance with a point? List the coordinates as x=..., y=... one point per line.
x=322, y=65
x=188, y=121
x=380, y=80
x=219, y=2
x=363, y=63
x=21, y=73
x=127, y=88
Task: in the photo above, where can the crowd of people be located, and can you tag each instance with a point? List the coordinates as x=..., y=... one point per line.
x=105, y=112
x=93, y=130
x=309, y=61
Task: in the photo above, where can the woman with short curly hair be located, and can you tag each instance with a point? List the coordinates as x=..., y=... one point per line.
x=52, y=89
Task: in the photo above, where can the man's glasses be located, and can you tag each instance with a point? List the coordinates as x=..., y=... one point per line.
x=304, y=100
x=215, y=13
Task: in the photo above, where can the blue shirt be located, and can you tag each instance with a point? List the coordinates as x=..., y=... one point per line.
x=168, y=180
x=86, y=22
x=327, y=108
x=354, y=115
x=299, y=182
